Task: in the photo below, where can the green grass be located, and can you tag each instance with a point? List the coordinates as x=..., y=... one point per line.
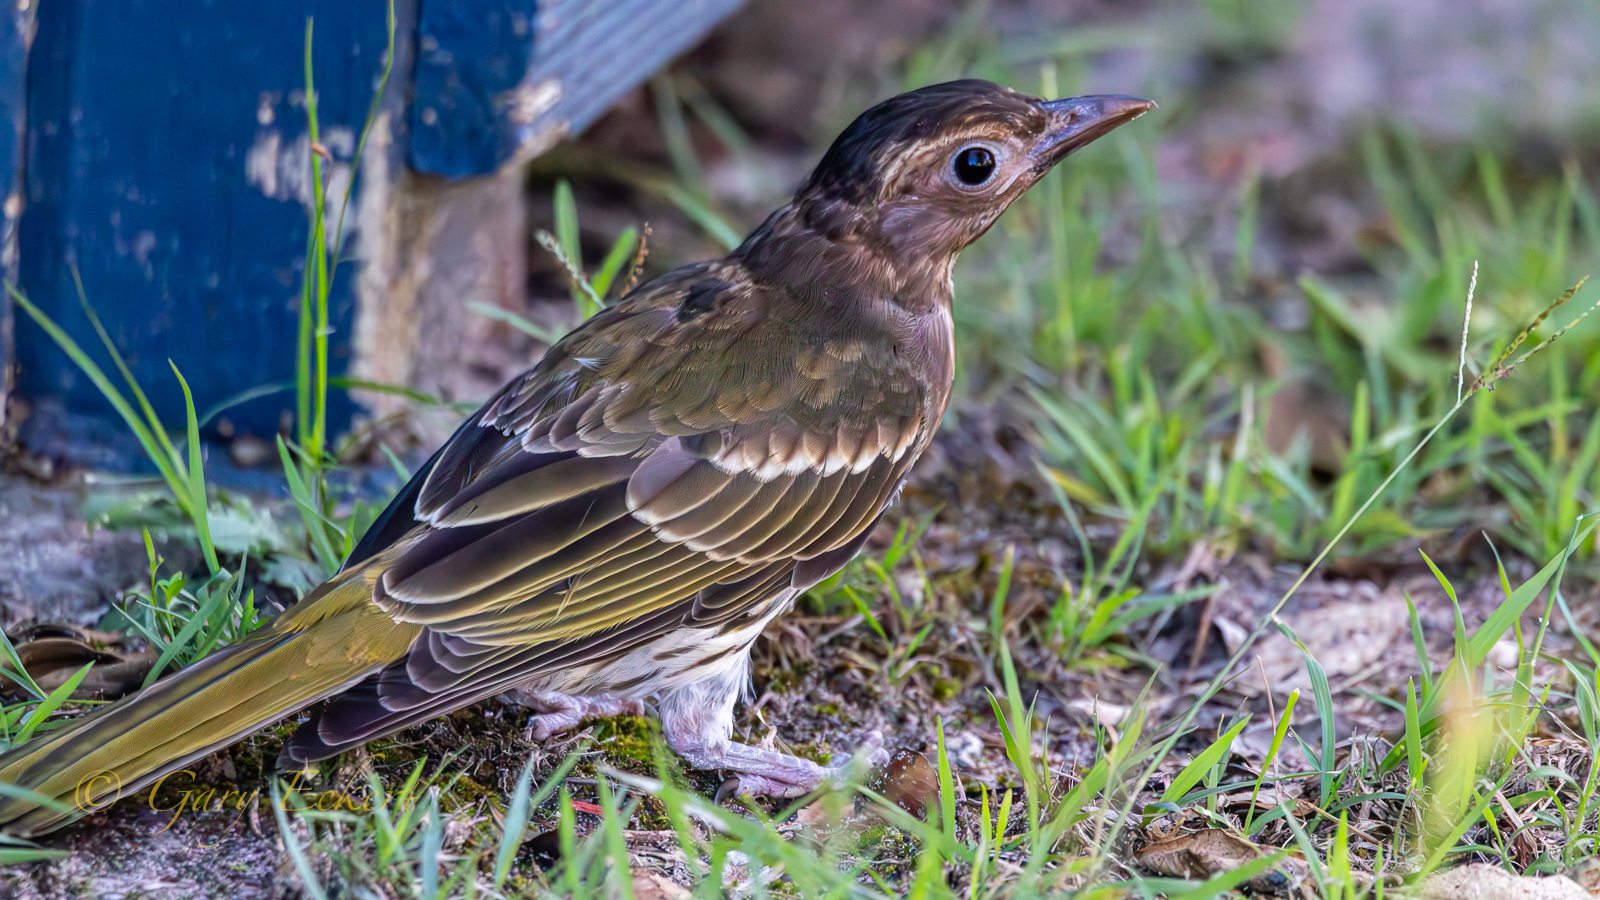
x=1164, y=430
x=1062, y=837
x=1151, y=403
x=1145, y=379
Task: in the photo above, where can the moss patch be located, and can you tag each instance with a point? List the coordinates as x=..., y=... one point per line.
x=629, y=742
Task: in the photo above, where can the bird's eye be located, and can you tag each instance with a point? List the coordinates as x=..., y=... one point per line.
x=974, y=165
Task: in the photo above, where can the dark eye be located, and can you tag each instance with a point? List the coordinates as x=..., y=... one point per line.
x=975, y=165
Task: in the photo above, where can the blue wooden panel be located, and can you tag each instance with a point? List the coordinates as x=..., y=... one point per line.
x=16, y=24
x=142, y=119
x=469, y=56
x=483, y=99
x=165, y=155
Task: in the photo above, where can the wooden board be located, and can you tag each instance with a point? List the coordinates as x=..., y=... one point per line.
x=165, y=154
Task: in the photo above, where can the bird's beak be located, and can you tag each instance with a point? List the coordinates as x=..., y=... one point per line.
x=1076, y=121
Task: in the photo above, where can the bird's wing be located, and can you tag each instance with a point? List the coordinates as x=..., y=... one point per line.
x=676, y=461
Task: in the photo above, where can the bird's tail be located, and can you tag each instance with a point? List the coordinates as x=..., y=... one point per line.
x=322, y=646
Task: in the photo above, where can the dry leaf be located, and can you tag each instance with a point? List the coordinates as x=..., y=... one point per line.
x=1586, y=872
x=649, y=885
x=1345, y=635
x=52, y=653
x=1305, y=407
x=911, y=783
x=1109, y=715
x=1208, y=853
x=1265, y=799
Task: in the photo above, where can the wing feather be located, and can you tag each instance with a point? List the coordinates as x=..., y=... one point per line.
x=532, y=490
x=781, y=514
x=509, y=548
x=715, y=512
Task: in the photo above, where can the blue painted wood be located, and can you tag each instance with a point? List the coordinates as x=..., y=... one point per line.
x=165, y=156
x=16, y=22
x=142, y=118
x=597, y=51
x=470, y=56
x=16, y=26
x=484, y=99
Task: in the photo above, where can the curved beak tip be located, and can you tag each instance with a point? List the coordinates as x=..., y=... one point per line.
x=1078, y=121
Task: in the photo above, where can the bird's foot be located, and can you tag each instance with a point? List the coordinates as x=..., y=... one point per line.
x=774, y=774
x=556, y=713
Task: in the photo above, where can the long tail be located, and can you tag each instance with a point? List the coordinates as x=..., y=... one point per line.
x=324, y=645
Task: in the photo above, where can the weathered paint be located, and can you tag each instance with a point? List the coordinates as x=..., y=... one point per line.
x=141, y=120
x=166, y=155
x=470, y=57
x=483, y=100
x=16, y=30
x=593, y=53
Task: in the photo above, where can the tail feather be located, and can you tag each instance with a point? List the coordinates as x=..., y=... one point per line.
x=194, y=712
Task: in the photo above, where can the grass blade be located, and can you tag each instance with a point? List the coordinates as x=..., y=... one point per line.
x=154, y=448
x=1203, y=763
x=50, y=704
x=196, y=482
x=297, y=854
x=1322, y=694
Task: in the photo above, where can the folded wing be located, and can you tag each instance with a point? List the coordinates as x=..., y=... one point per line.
x=648, y=475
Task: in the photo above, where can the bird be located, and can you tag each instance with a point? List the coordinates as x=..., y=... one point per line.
x=617, y=525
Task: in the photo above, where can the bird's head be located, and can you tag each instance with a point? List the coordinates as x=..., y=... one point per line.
x=925, y=173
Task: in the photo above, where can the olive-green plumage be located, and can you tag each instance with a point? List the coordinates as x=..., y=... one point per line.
x=332, y=641
x=621, y=521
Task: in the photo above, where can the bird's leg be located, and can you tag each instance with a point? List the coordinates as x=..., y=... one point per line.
x=698, y=723
x=562, y=712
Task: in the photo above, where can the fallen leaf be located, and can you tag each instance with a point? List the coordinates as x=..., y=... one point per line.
x=1586, y=872
x=1109, y=715
x=52, y=653
x=1345, y=635
x=1205, y=854
x=911, y=783
x=1305, y=407
x=827, y=815
x=1267, y=798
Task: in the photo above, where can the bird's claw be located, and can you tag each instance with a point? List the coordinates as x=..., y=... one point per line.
x=852, y=767
x=773, y=774
x=557, y=713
